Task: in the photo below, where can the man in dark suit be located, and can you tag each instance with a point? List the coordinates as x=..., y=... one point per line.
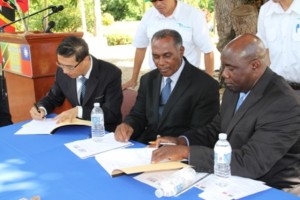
x=264, y=132
x=193, y=99
x=102, y=84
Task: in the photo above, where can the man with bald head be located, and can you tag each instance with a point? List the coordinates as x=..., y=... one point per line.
x=264, y=131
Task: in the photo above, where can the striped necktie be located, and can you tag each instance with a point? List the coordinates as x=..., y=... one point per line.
x=164, y=96
x=83, y=88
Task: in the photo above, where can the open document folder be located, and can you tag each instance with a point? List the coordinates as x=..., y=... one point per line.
x=48, y=126
x=89, y=147
x=133, y=160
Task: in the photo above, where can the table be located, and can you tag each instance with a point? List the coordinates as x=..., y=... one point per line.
x=32, y=165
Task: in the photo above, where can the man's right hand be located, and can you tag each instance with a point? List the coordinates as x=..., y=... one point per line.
x=37, y=114
x=123, y=132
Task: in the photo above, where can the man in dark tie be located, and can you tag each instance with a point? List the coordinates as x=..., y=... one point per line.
x=82, y=80
x=173, y=99
x=264, y=132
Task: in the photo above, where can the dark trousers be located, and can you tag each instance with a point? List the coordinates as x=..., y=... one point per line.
x=5, y=117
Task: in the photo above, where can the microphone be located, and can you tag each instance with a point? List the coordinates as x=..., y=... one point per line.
x=51, y=24
x=54, y=10
x=11, y=4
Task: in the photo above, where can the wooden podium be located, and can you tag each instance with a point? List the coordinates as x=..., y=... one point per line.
x=29, y=64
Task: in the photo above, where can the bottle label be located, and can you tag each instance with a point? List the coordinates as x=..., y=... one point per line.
x=222, y=158
x=95, y=120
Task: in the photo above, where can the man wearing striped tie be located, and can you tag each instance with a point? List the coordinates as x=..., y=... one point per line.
x=173, y=99
x=82, y=80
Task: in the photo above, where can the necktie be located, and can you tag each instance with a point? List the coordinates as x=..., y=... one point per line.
x=83, y=88
x=164, y=96
x=240, y=101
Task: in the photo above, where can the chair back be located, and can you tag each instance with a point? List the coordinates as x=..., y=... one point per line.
x=129, y=97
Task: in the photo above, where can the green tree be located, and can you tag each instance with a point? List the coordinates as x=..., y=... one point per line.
x=123, y=9
x=67, y=20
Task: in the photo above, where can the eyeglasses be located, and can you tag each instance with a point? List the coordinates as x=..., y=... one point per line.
x=68, y=67
x=153, y=1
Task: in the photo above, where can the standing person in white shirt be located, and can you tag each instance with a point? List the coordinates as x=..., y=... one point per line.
x=279, y=28
x=189, y=21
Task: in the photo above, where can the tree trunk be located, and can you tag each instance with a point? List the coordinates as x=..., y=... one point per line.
x=224, y=25
x=244, y=19
x=225, y=28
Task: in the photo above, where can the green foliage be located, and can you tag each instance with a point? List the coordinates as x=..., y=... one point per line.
x=107, y=19
x=118, y=39
x=66, y=20
x=203, y=4
x=123, y=9
x=208, y=5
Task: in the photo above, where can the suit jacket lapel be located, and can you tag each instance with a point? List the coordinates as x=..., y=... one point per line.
x=155, y=96
x=254, y=96
x=73, y=90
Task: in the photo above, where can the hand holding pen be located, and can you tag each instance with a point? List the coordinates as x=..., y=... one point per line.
x=36, y=113
x=162, y=141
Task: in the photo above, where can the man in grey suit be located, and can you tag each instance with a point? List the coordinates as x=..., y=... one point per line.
x=264, y=131
x=193, y=95
x=102, y=83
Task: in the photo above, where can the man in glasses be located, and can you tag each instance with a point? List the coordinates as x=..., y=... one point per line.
x=82, y=80
x=190, y=22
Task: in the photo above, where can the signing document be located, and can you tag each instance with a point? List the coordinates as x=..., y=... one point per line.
x=48, y=126
x=133, y=160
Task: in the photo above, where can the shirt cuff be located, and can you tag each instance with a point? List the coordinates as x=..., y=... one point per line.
x=79, y=111
x=44, y=109
x=186, y=140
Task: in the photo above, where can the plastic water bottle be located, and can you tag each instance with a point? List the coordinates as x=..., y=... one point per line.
x=176, y=183
x=222, y=159
x=97, y=118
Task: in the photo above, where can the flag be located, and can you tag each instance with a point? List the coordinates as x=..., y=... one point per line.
x=7, y=15
x=22, y=4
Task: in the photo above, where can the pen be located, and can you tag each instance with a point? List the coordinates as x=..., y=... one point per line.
x=162, y=143
x=36, y=107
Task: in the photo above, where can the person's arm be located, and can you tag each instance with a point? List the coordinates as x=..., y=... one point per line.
x=138, y=61
x=209, y=63
x=55, y=97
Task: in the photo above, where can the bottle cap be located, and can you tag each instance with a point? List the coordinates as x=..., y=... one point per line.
x=223, y=136
x=97, y=104
x=159, y=193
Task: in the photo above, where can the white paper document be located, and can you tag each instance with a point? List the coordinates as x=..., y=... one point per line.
x=237, y=187
x=37, y=127
x=47, y=126
x=124, y=158
x=133, y=160
x=88, y=147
